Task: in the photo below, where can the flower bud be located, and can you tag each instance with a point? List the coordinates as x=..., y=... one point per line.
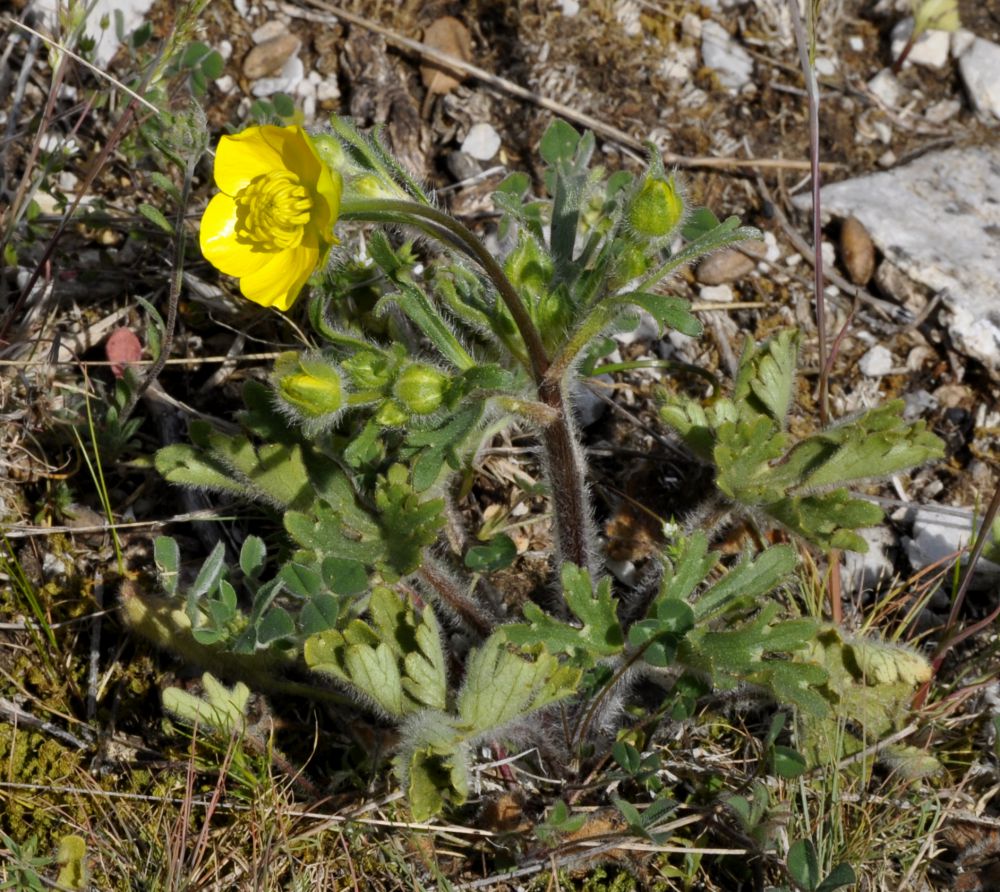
x=421, y=388
x=656, y=208
x=632, y=262
x=311, y=386
x=332, y=154
x=529, y=268
x=368, y=370
x=391, y=414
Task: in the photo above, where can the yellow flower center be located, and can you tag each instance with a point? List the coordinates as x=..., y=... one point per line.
x=272, y=210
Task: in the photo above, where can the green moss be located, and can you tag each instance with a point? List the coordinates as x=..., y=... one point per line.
x=30, y=757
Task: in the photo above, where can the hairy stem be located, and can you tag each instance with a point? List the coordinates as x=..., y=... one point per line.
x=564, y=467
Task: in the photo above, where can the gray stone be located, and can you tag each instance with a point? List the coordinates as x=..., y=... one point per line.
x=938, y=220
x=938, y=535
x=931, y=48
x=874, y=568
x=730, y=61
x=979, y=66
x=885, y=87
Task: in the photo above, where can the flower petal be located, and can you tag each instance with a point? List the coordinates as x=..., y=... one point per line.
x=296, y=151
x=219, y=245
x=245, y=155
x=329, y=188
x=278, y=282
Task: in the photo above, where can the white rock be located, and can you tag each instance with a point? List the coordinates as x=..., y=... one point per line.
x=269, y=30
x=876, y=362
x=942, y=110
x=730, y=61
x=242, y=7
x=974, y=336
x=292, y=72
x=132, y=11
x=885, y=87
x=979, y=66
x=937, y=219
x=826, y=67
x=937, y=534
x=961, y=40
x=225, y=83
x=829, y=253
x=856, y=43
x=225, y=49
x=679, y=66
x=328, y=90
x=691, y=26
x=569, y=7
x=931, y=48
x=772, y=252
x=482, y=142
x=883, y=131
x=627, y=12
x=717, y=293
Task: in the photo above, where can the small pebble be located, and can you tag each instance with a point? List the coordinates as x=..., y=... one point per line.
x=462, y=167
x=857, y=251
x=876, y=362
x=733, y=65
x=716, y=293
x=942, y=111
x=885, y=87
x=267, y=58
x=482, y=142
x=729, y=264
x=268, y=31
x=856, y=43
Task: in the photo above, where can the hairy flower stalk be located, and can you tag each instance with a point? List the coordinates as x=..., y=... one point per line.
x=563, y=463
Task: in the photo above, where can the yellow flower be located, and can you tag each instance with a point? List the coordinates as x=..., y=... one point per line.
x=272, y=224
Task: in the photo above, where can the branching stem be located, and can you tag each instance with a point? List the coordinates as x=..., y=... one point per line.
x=566, y=478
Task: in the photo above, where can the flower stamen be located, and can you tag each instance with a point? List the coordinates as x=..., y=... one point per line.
x=272, y=211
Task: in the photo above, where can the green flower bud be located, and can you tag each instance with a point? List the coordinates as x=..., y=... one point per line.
x=391, y=414
x=529, y=268
x=332, y=154
x=310, y=385
x=632, y=262
x=368, y=370
x=656, y=208
x=421, y=388
x=370, y=186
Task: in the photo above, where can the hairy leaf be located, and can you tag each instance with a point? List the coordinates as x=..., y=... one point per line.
x=600, y=634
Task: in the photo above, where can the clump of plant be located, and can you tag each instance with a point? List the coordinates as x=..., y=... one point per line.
x=362, y=443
